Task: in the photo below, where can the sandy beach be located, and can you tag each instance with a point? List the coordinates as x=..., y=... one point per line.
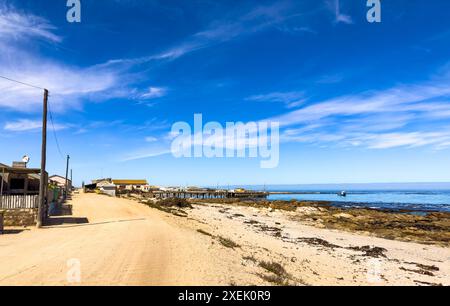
x=117, y=241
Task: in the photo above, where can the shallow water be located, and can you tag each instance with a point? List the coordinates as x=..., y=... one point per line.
x=412, y=200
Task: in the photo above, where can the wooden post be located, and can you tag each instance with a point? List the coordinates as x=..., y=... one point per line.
x=42, y=184
x=1, y=187
x=67, y=174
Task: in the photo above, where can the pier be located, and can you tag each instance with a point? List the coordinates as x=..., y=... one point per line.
x=210, y=194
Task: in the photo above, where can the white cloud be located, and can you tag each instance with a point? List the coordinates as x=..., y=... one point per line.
x=151, y=139
x=290, y=99
x=144, y=155
x=154, y=92
x=17, y=26
x=402, y=116
x=413, y=139
x=402, y=99
x=67, y=85
x=220, y=31
x=23, y=125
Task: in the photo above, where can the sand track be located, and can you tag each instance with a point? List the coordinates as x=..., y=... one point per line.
x=124, y=243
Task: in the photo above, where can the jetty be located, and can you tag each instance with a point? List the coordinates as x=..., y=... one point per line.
x=210, y=194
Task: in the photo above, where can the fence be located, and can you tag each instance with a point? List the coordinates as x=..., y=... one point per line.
x=19, y=201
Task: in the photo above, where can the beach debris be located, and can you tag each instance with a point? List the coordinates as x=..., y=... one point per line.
x=419, y=271
x=174, y=202
x=205, y=233
x=251, y=222
x=318, y=242
x=277, y=273
x=426, y=267
x=369, y=251
x=228, y=242
x=172, y=205
x=428, y=284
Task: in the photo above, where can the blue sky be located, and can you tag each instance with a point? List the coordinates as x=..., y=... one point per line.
x=357, y=102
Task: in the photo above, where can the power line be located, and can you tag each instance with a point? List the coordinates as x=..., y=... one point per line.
x=23, y=83
x=54, y=132
x=50, y=112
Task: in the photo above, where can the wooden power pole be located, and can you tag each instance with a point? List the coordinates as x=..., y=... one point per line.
x=43, y=177
x=67, y=176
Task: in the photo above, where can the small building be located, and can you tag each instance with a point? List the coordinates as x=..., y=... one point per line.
x=60, y=181
x=19, y=180
x=106, y=187
x=19, y=194
x=130, y=184
x=114, y=186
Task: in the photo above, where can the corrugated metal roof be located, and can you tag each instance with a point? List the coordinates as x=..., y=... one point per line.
x=130, y=182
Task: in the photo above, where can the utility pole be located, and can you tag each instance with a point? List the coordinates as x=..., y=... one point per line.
x=43, y=177
x=67, y=174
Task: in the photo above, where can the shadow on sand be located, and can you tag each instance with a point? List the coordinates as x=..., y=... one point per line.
x=63, y=216
x=13, y=231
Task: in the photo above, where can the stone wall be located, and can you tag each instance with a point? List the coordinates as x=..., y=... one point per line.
x=19, y=217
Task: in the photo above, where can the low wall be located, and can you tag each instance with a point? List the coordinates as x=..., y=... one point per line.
x=19, y=217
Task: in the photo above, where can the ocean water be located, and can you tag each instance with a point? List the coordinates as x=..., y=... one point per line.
x=420, y=201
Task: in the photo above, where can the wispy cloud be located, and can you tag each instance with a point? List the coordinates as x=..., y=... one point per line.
x=68, y=85
x=148, y=154
x=154, y=92
x=402, y=116
x=151, y=139
x=222, y=30
x=24, y=125
x=290, y=99
x=17, y=26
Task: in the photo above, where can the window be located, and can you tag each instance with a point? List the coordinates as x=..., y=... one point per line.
x=17, y=184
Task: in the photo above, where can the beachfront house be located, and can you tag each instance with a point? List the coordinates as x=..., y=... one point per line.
x=19, y=194
x=19, y=180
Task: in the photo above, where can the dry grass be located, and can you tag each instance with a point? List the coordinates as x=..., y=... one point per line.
x=278, y=274
x=228, y=243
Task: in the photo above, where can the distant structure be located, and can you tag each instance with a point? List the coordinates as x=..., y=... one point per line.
x=60, y=181
x=113, y=187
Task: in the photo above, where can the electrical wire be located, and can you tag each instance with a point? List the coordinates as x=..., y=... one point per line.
x=23, y=83
x=54, y=132
x=50, y=112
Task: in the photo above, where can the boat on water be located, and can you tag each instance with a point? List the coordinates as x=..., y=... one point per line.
x=343, y=194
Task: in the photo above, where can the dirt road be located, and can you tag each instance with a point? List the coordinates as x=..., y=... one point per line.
x=123, y=243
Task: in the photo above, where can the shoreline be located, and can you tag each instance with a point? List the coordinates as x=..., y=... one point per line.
x=432, y=228
x=316, y=255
